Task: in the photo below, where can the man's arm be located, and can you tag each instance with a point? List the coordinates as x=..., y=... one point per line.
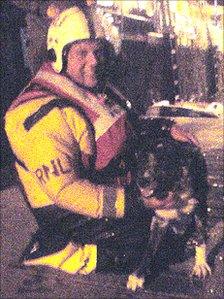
x=54, y=151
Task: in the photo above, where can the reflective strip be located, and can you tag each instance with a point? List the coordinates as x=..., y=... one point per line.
x=120, y=203
x=45, y=109
x=109, y=200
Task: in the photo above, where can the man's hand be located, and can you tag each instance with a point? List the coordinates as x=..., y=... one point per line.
x=180, y=135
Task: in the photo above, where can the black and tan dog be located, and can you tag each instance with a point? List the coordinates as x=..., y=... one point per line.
x=174, y=175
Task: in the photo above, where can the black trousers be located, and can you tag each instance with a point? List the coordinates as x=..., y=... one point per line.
x=120, y=242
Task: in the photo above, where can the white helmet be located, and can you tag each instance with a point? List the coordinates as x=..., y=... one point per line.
x=69, y=26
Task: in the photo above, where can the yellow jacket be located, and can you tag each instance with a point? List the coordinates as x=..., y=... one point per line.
x=53, y=142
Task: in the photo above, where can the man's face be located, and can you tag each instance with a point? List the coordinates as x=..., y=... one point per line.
x=84, y=59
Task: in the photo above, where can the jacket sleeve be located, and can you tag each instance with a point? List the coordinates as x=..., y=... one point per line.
x=54, y=151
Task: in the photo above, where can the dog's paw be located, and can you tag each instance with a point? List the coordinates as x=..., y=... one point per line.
x=201, y=270
x=135, y=282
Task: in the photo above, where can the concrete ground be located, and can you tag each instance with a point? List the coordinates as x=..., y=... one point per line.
x=17, y=225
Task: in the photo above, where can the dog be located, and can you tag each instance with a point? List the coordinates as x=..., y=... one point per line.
x=175, y=177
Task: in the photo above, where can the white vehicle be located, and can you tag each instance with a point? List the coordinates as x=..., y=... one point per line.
x=203, y=120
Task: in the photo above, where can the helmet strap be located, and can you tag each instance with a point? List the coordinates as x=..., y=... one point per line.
x=51, y=55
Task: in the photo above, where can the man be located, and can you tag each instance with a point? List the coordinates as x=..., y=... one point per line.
x=70, y=135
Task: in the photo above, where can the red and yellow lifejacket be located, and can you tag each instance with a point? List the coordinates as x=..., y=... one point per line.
x=50, y=126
